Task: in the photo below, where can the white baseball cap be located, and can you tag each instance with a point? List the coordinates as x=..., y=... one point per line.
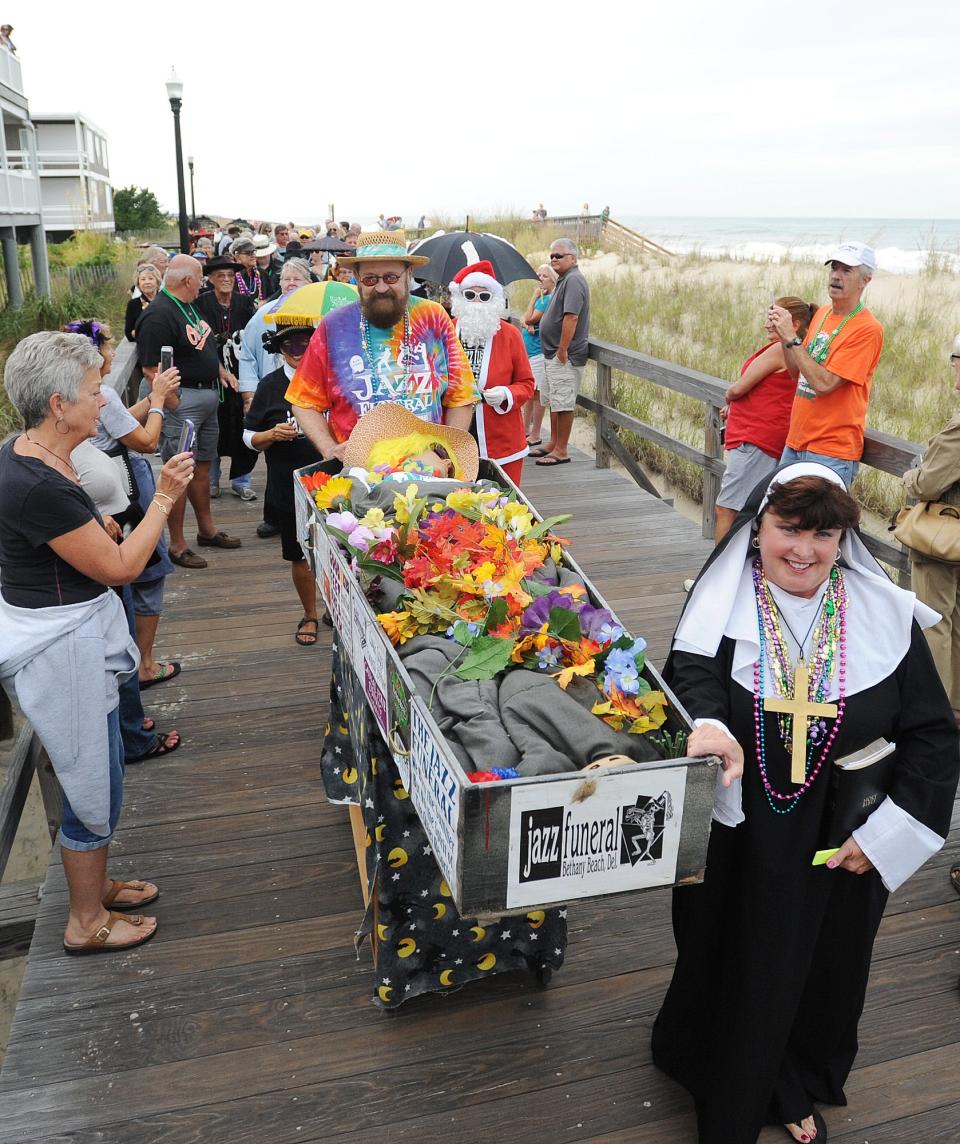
x=853, y=254
x=955, y=351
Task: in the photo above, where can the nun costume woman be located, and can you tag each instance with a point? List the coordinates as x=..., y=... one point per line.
x=773, y=952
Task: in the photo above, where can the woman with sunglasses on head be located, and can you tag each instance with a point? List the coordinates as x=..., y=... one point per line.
x=533, y=410
x=271, y=428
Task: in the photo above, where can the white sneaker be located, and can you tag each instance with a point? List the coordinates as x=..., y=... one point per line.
x=687, y=585
x=244, y=492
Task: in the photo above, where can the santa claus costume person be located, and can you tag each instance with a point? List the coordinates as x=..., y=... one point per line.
x=500, y=365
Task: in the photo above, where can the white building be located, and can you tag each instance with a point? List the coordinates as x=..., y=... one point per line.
x=74, y=175
x=20, y=201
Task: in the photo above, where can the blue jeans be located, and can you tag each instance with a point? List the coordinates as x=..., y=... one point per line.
x=73, y=834
x=136, y=741
x=845, y=470
x=240, y=483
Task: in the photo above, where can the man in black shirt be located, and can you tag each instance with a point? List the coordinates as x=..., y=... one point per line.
x=173, y=320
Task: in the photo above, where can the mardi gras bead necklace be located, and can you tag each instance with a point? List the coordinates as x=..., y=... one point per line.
x=820, y=343
x=404, y=355
x=246, y=290
x=831, y=652
x=193, y=318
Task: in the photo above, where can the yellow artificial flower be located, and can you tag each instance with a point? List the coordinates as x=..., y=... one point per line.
x=462, y=499
x=399, y=626
x=373, y=518
x=337, y=488
x=404, y=504
x=564, y=677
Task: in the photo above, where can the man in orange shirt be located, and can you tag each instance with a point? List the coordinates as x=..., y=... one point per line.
x=834, y=366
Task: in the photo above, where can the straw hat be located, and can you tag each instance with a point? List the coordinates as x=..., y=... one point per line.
x=388, y=420
x=383, y=246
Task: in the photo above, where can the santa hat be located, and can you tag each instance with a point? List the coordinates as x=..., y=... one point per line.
x=479, y=274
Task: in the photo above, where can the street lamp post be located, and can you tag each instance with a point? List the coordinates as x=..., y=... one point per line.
x=175, y=95
x=193, y=201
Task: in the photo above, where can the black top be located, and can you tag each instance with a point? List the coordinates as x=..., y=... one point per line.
x=37, y=505
x=269, y=408
x=163, y=323
x=135, y=308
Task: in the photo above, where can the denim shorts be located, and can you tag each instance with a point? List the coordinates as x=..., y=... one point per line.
x=845, y=470
x=73, y=834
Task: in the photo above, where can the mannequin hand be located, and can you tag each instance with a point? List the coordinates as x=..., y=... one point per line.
x=709, y=740
x=496, y=394
x=850, y=857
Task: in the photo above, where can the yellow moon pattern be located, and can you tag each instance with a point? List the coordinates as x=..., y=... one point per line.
x=536, y=918
x=406, y=947
x=444, y=889
x=398, y=791
x=349, y=775
x=383, y=932
x=479, y=933
x=488, y=961
x=446, y=978
x=439, y=909
x=381, y=832
x=384, y=991
x=397, y=857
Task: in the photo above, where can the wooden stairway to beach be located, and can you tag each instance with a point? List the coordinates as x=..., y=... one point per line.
x=248, y=1017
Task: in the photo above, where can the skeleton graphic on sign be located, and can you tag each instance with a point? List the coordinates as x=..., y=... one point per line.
x=642, y=827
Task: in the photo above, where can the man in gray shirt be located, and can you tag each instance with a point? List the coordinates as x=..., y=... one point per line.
x=564, y=330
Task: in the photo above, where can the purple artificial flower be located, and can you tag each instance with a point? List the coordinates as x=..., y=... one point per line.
x=598, y=624
x=538, y=613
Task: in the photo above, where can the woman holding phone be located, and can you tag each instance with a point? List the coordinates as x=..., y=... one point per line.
x=65, y=645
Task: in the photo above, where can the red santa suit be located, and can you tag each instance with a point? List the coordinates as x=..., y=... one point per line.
x=499, y=428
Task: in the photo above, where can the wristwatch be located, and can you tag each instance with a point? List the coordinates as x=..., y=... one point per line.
x=794, y=342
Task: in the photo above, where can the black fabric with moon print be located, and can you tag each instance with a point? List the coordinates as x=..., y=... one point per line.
x=423, y=944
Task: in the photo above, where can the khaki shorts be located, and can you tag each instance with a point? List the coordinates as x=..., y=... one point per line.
x=561, y=384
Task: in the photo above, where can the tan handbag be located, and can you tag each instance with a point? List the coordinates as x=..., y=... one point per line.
x=931, y=529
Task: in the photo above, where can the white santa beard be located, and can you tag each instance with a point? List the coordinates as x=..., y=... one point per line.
x=478, y=320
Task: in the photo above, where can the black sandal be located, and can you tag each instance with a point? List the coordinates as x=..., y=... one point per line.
x=307, y=639
x=160, y=748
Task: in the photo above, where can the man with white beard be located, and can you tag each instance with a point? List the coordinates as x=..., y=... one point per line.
x=500, y=364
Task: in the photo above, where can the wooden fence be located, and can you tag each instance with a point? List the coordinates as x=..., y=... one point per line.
x=67, y=280
x=881, y=450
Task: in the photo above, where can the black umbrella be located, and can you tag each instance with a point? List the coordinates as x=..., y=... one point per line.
x=451, y=252
x=333, y=245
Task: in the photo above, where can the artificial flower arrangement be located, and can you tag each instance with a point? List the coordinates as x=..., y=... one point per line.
x=467, y=563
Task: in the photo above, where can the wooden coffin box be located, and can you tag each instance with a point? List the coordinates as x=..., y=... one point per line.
x=526, y=843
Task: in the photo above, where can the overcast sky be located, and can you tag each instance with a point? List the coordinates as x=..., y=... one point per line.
x=687, y=108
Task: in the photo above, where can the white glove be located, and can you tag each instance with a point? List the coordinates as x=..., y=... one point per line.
x=496, y=395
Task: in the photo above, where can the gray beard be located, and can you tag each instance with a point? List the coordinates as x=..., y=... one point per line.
x=479, y=321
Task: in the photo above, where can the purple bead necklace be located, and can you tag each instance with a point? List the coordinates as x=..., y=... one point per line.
x=831, y=643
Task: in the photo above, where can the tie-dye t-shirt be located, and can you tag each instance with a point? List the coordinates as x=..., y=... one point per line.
x=335, y=376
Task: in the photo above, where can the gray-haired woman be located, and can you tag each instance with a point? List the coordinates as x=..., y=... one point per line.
x=64, y=642
x=149, y=281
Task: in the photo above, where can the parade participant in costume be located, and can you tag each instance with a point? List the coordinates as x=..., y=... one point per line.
x=270, y=427
x=386, y=347
x=773, y=955
x=499, y=362
x=249, y=279
x=228, y=310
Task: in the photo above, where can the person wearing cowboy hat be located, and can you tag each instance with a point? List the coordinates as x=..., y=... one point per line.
x=386, y=347
x=249, y=279
x=499, y=362
x=270, y=427
x=264, y=251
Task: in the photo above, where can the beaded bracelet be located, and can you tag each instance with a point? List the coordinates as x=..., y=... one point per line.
x=162, y=507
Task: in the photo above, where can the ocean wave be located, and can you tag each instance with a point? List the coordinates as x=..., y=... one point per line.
x=891, y=259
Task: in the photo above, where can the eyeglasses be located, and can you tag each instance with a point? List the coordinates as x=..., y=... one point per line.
x=373, y=279
x=559, y=257
x=955, y=357
x=477, y=295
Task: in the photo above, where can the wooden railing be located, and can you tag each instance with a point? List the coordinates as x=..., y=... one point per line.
x=881, y=450
x=596, y=228
x=21, y=757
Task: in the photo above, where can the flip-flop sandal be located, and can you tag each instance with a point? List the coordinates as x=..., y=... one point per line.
x=539, y=441
x=110, y=899
x=307, y=639
x=955, y=878
x=149, y=724
x=162, y=747
x=98, y=943
x=164, y=672
x=551, y=462
x=819, y=1123
x=538, y=453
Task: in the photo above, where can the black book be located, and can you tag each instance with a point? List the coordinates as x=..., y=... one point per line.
x=859, y=782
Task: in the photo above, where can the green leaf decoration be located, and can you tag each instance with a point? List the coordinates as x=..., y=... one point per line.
x=535, y=589
x=462, y=633
x=547, y=525
x=496, y=615
x=564, y=624
x=488, y=656
x=378, y=568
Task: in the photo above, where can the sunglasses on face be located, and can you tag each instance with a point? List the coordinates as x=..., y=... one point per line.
x=373, y=279
x=558, y=257
x=477, y=295
x=295, y=347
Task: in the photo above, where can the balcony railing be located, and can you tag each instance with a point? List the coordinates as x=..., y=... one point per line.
x=19, y=190
x=10, y=73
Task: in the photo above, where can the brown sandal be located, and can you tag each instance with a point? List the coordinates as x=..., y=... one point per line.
x=98, y=943
x=116, y=888
x=304, y=638
x=955, y=878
